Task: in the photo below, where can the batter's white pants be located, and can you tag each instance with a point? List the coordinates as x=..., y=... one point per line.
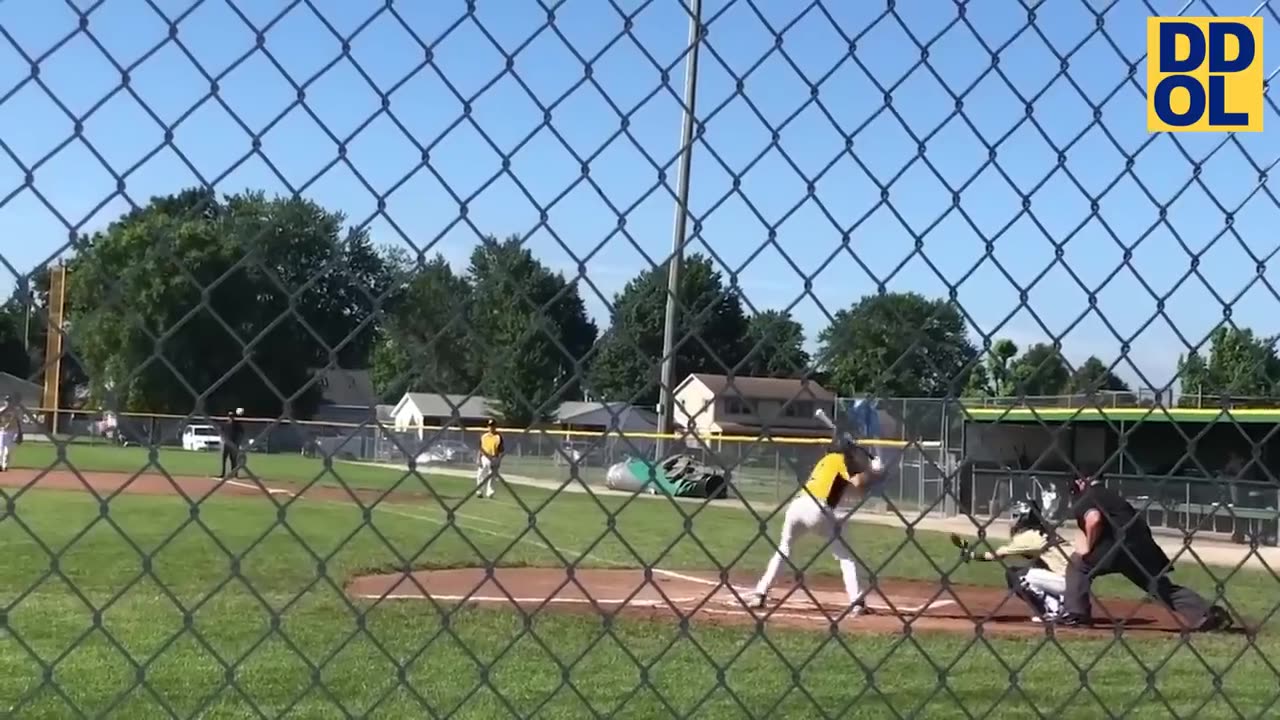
x=484, y=476
x=7, y=437
x=805, y=515
x=1051, y=587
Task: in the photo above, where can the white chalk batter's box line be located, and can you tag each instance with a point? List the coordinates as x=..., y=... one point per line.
x=744, y=592
x=780, y=612
x=634, y=603
x=503, y=599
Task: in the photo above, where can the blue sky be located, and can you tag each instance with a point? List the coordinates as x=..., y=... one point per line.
x=771, y=231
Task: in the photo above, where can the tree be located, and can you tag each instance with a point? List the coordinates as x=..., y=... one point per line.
x=1240, y=365
x=899, y=344
x=425, y=344
x=1040, y=371
x=529, y=331
x=14, y=358
x=1094, y=376
x=233, y=300
x=776, y=346
x=994, y=376
x=711, y=332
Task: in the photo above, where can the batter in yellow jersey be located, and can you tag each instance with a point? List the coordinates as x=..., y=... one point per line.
x=489, y=460
x=845, y=471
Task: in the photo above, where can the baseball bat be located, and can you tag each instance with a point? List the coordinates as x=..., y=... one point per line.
x=821, y=415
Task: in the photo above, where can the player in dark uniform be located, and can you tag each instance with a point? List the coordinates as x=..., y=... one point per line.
x=232, y=437
x=1118, y=540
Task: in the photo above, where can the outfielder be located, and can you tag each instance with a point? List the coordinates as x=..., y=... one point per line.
x=10, y=429
x=1043, y=583
x=846, y=469
x=489, y=459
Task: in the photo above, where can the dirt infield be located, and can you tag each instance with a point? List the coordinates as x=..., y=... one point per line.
x=896, y=605
x=195, y=489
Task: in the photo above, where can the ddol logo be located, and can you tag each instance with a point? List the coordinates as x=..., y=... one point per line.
x=1204, y=74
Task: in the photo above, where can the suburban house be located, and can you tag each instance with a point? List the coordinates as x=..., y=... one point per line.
x=346, y=396
x=418, y=410
x=605, y=417
x=708, y=405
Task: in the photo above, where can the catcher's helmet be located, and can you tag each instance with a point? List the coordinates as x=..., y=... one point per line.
x=1027, y=516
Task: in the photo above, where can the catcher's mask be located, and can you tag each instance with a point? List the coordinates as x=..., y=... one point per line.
x=1027, y=516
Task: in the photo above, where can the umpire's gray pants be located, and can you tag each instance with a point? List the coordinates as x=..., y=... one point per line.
x=1080, y=574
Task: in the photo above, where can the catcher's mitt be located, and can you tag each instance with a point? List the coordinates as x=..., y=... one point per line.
x=965, y=553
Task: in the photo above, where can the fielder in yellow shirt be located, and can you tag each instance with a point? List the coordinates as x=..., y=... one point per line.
x=846, y=471
x=489, y=459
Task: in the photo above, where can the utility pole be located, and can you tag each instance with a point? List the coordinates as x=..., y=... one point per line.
x=666, y=417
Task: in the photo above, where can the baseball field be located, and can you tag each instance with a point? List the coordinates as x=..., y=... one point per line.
x=313, y=591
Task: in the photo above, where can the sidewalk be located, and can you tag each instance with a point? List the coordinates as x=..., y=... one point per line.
x=1217, y=553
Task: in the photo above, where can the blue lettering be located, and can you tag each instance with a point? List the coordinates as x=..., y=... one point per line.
x=1218, y=114
x=1195, y=109
x=1218, y=62
x=1169, y=33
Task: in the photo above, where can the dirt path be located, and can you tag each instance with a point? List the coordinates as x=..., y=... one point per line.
x=896, y=605
x=194, y=489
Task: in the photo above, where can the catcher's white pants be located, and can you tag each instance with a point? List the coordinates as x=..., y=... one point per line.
x=7, y=438
x=805, y=515
x=484, y=475
x=1050, y=587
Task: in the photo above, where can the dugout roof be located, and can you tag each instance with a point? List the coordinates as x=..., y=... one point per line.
x=1118, y=415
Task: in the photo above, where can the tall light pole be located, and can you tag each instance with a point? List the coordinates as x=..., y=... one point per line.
x=667, y=409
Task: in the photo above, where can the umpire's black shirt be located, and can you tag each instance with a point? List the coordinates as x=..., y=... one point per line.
x=1120, y=525
x=233, y=431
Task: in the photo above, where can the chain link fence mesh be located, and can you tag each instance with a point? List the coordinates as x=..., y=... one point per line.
x=274, y=266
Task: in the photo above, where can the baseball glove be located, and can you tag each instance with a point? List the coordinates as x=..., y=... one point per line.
x=966, y=554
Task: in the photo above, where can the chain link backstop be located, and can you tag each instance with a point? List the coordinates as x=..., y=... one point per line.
x=336, y=335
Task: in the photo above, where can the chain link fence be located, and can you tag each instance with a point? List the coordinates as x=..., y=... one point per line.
x=353, y=367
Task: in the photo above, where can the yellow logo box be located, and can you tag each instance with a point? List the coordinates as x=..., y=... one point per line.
x=1204, y=74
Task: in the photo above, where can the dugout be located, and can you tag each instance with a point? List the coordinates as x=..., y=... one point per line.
x=1198, y=469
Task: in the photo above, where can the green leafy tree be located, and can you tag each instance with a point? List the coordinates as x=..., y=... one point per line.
x=425, y=343
x=1240, y=365
x=14, y=358
x=1040, y=371
x=993, y=377
x=775, y=346
x=898, y=344
x=529, y=331
x=1093, y=376
x=711, y=332
x=229, y=299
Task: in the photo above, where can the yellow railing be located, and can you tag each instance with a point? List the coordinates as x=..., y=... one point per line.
x=557, y=432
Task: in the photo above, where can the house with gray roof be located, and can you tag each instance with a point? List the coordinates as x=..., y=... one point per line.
x=710, y=405
x=418, y=410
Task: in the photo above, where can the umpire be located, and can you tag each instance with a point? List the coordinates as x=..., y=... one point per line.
x=1118, y=540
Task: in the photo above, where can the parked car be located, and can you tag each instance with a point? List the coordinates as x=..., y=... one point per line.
x=201, y=437
x=577, y=453
x=446, y=451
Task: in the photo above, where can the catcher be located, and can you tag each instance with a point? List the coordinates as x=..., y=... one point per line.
x=846, y=470
x=1042, y=584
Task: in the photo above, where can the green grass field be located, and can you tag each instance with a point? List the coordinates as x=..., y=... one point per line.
x=146, y=609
